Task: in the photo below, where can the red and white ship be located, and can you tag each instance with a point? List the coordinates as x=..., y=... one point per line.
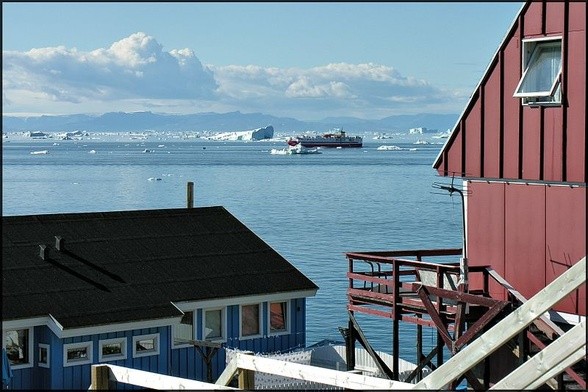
x=334, y=139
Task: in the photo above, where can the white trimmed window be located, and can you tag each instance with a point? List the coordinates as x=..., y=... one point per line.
x=77, y=353
x=145, y=345
x=250, y=320
x=278, y=317
x=184, y=331
x=19, y=347
x=214, y=324
x=112, y=349
x=541, y=82
x=44, y=359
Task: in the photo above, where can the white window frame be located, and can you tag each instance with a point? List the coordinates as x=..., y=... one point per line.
x=286, y=315
x=146, y=353
x=47, y=363
x=259, y=322
x=30, y=351
x=223, y=313
x=529, y=55
x=75, y=362
x=112, y=357
x=174, y=328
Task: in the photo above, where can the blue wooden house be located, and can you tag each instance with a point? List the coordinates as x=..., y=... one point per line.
x=158, y=290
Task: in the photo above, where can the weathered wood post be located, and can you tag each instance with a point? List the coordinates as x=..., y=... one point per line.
x=190, y=196
x=246, y=377
x=99, y=378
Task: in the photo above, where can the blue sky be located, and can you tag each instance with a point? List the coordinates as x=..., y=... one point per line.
x=303, y=60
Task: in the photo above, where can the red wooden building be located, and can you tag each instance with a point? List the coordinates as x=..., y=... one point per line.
x=520, y=148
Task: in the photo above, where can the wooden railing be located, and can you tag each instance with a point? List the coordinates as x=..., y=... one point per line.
x=383, y=283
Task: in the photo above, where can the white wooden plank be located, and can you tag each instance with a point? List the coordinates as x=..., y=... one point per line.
x=552, y=360
x=150, y=380
x=227, y=374
x=507, y=328
x=317, y=374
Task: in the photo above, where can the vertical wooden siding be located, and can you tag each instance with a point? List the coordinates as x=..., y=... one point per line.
x=530, y=234
x=546, y=143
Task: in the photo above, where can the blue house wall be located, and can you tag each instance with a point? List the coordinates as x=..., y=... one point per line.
x=185, y=362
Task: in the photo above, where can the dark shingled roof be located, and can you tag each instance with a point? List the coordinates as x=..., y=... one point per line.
x=128, y=265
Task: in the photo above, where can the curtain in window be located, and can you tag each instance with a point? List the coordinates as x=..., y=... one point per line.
x=250, y=320
x=543, y=69
x=277, y=316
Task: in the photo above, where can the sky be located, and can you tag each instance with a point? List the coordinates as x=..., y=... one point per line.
x=305, y=60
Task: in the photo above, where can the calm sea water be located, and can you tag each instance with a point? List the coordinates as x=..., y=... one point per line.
x=310, y=208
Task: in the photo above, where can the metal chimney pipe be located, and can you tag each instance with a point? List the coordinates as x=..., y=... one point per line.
x=43, y=252
x=190, y=195
x=59, y=243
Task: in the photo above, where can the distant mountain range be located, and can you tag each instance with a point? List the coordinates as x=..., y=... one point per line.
x=218, y=122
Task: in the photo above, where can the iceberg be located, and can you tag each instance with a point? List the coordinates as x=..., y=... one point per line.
x=254, y=134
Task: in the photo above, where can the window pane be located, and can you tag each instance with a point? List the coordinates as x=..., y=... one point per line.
x=145, y=345
x=112, y=349
x=250, y=320
x=213, y=324
x=17, y=346
x=77, y=354
x=185, y=330
x=542, y=70
x=277, y=316
x=43, y=358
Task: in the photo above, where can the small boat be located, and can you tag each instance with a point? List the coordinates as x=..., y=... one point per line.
x=295, y=150
x=41, y=152
x=333, y=139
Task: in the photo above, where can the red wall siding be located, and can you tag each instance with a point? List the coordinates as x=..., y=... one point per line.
x=554, y=17
x=485, y=238
x=529, y=234
x=538, y=143
x=473, y=125
x=533, y=19
x=525, y=238
x=512, y=65
x=553, y=145
x=531, y=143
x=454, y=156
x=565, y=238
x=576, y=94
x=492, y=155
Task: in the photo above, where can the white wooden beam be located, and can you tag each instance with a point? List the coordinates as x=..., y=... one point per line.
x=552, y=360
x=150, y=380
x=507, y=328
x=316, y=374
x=228, y=374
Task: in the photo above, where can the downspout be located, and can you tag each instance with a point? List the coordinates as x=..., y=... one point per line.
x=463, y=262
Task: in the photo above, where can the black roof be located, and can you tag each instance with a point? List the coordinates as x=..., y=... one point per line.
x=129, y=265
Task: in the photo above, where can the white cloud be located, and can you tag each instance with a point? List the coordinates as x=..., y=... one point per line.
x=136, y=73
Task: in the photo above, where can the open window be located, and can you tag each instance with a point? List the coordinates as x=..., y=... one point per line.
x=184, y=332
x=278, y=317
x=19, y=347
x=541, y=79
